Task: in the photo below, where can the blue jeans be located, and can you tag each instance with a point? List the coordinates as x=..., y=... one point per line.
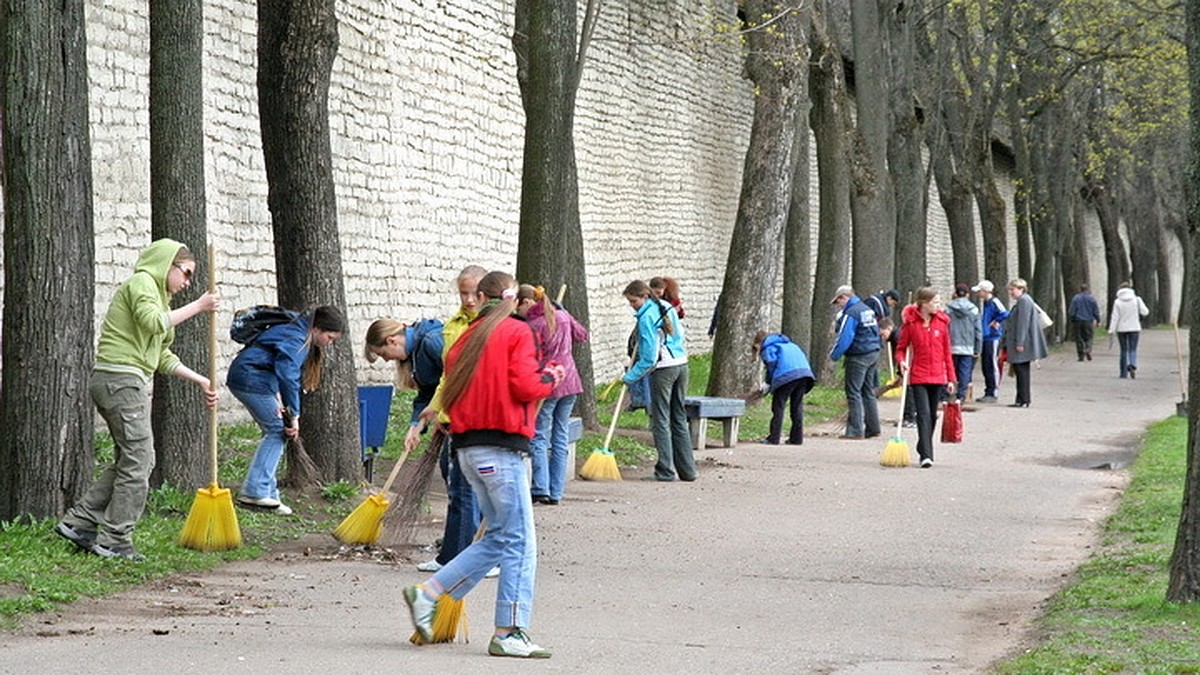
x=669, y=424
x=1129, y=343
x=964, y=364
x=501, y=485
x=462, y=513
x=260, y=478
x=861, y=380
x=548, y=449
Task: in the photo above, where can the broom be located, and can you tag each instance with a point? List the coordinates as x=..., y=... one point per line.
x=896, y=452
x=365, y=522
x=301, y=471
x=602, y=465
x=401, y=522
x=212, y=523
x=449, y=613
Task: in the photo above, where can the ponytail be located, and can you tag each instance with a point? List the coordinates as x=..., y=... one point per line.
x=502, y=302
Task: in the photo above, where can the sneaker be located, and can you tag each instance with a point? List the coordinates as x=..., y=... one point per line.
x=421, y=608
x=429, y=566
x=82, y=538
x=909, y=424
x=492, y=573
x=283, y=509
x=260, y=502
x=516, y=644
x=1133, y=372
x=127, y=552
x=926, y=463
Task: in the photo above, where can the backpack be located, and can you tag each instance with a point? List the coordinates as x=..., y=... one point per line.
x=250, y=322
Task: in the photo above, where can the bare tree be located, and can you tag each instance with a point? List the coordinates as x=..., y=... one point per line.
x=45, y=411
x=297, y=43
x=904, y=146
x=797, y=241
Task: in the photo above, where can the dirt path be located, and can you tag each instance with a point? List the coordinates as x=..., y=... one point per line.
x=809, y=559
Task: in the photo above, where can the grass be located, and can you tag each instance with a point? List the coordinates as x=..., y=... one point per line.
x=1113, y=617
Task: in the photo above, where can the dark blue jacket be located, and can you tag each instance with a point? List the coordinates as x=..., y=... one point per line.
x=272, y=363
x=423, y=341
x=1084, y=307
x=858, y=331
x=993, y=311
x=785, y=360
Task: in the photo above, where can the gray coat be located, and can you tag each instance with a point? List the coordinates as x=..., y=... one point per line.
x=1023, y=328
x=966, y=333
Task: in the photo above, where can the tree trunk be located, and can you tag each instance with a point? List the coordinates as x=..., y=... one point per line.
x=297, y=43
x=830, y=120
x=550, y=241
x=1115, y=261
x=904, y=150
x=1143, y=224
x=1022, y=191
x=992, y=221
x=955, y=197
x=1163, y=313
x=797, y=240
x=177, y=211
x=46, y=412
x=777, y=64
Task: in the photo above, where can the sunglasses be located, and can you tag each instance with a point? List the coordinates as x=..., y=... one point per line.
x=187, y=274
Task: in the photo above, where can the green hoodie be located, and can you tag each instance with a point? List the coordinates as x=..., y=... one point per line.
x=137, y=331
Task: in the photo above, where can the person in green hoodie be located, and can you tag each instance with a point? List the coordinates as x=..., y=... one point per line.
x=134, y=344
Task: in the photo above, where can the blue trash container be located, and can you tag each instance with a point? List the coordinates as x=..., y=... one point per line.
x=374, y=408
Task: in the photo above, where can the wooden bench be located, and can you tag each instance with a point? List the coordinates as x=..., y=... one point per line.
x=701, y=409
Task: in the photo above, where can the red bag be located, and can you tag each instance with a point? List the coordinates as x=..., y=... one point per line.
x=952, y=424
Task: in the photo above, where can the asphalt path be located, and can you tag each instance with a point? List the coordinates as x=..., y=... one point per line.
x=779, y=559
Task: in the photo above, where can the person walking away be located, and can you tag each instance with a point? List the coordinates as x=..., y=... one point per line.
x=1084, y=314
x=991, y=320
x=1125, y=322
x=267, y=376
x=661, y=353
x=557, y=332
x=1024, y=342
x=789, y=378
x=416, y=349
x=492, y=385
x=926, y=333
x=135, y=343
x=462, y=512
x=858, y=340
x=966, y=337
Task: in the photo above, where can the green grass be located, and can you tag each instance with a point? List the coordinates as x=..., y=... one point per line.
x=1113, y=617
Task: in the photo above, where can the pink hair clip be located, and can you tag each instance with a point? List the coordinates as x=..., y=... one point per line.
x=508, y=293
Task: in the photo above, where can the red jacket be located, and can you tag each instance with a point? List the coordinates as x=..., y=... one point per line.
x=931, y=359
x=499, y=405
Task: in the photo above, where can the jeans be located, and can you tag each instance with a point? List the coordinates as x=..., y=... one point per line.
x=548, y=449
x=989, y=366
x=1129, y=344
x=462, y=511
x=964, y=364
x=861, y=380
x=501, y=485
x=925, y=396
x=113, y=504
x=669, y=423
x=260, y=478
x=791, y=397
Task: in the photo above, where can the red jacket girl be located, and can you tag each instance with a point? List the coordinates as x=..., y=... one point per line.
x=930, y=342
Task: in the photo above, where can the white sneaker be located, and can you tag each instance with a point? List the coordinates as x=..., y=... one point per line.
x=421, y=608
x=926, y=463
x=283, y=509
x=429, y=566
x=516, y=644
x=492, y=573
x=261, y=502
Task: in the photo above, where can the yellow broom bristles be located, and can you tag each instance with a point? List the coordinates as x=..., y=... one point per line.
x=601, y=465
x=895, y=453
x=449, y=622
x=365, y=522
x=212, y=523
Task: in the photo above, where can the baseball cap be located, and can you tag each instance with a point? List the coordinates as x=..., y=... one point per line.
x=842, y=290
x=984, y=285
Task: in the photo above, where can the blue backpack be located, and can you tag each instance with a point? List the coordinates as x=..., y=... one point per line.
x=250, y=322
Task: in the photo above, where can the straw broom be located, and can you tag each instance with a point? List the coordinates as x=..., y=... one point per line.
x=365, y=522
x=212, y=523
x=602, y=465
x=896, y=452
x=449, y=613
x=301, y=471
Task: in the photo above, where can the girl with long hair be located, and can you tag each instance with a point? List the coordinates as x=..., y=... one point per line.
x=268, y=376
x=416, y=349
x=926, y=333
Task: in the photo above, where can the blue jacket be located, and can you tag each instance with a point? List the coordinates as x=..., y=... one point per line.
x=423, y=341
x=785, y=360
x=272, y=363
x=655, y=349
x=993, y=311
x=858, y=331
x=1084, y=307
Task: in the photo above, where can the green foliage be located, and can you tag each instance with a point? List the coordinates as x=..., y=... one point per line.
x=340, y=491
x=1113, y=618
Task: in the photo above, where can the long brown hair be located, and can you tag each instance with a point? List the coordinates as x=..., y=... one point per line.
x=502, y=300
x=327, y=318
x=638, y=288
x=538, y=294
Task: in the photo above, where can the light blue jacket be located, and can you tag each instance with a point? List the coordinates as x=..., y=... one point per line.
x=656, y=349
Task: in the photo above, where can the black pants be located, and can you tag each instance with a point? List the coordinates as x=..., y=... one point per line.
x=1084, y=330
x=925, y=398
x=1022, y=372
x=790, y=395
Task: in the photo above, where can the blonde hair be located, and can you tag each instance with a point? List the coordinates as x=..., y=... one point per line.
x=377, y=336
x=495, y=287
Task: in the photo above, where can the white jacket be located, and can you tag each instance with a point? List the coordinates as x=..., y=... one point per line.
x=1126, y=309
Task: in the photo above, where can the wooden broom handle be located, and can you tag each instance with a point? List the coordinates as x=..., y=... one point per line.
x=904, y=389
x=612, y=427
x=212, y=361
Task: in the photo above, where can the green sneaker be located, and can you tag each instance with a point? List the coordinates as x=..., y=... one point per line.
x=516, y=644
x=421, y=608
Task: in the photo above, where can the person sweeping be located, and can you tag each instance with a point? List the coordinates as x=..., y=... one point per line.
x=927, y=330
x=492, y=386
x=135, y=341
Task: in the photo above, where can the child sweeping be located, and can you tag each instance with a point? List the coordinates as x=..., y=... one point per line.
x=789, y=378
